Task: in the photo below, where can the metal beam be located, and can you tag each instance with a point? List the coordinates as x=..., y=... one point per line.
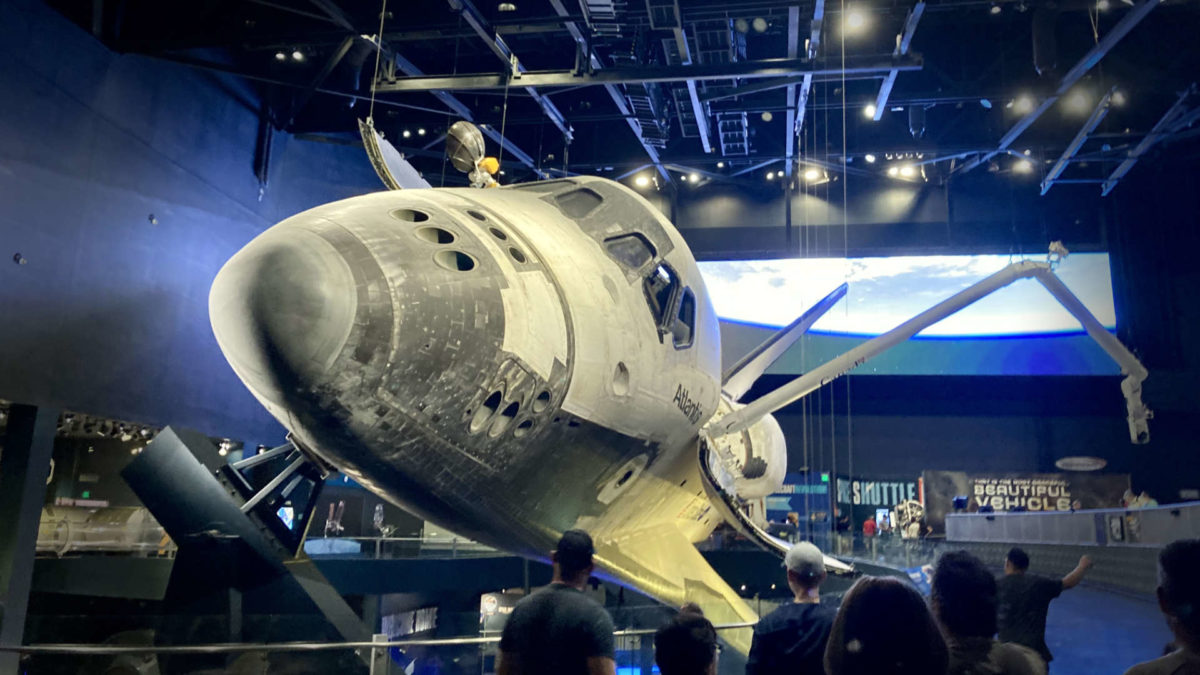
x=1090, y=59
x=593, y=63
x=1155, y=135
x=793, y=50
x=761, y=86
x=814, y=43
x=910, y=27
x=496, y=44
x=644, y=74
x=334, y=59
x=1076, y=143
x=24, y=466
x=685, y=52
x=407, y=67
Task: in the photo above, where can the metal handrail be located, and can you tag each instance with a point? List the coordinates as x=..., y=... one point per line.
x=232, y=647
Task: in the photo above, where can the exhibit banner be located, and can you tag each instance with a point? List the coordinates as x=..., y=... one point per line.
x=864, y=497
x=1019, y=492
x=806, y=495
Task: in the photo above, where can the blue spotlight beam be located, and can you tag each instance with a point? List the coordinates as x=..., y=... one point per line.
x=1093, y=120
x=1089, y=60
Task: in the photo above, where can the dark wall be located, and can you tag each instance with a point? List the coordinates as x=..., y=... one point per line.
x=109, y=315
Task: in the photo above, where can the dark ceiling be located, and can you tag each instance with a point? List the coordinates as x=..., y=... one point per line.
x=611, y=73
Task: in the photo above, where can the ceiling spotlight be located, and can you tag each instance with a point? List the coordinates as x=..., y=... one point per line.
x=222, y=451
x=759, y=24
x=641, y=181
x=996, y=9
x=407, y=134
x=720, y=165
x=770, y=175
x=1118, y=98
x=893, y=171
x=421, y=131
x=870, y=158
x=741, y=25
x=855, y=20
x=811, y=175
x=280, y=56
x=1102, y=5
x=985, y=103
x=1023, y=104
x=1027, y=152
x=767, y=116
x=869, y=111
x=507, y=7
x=297, y=55
x=1077, y=101
x=907, y=171
x=693, y=177
x=1023, y=166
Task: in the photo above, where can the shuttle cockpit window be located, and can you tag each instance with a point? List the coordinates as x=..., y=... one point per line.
x=685, y=320
x=660, y=291
x=631, y=250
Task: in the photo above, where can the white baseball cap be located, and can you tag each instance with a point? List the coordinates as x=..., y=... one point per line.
x=805, y=559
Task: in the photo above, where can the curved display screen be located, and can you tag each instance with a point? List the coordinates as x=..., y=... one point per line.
x=1020, y=329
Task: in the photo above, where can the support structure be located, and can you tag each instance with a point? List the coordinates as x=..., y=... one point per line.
x=24, y=468
x=1076, y=143
x=910, y=28
x=588, y=57
x=496, y=44
x=1089, y=60
x=1156, y=134
x=1137, y=413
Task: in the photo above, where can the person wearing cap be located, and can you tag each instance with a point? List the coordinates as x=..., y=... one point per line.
x=559, y=630
x=792, y=638
x=1179, y=599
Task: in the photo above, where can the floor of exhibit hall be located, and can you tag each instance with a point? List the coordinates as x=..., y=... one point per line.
x=1095, y=632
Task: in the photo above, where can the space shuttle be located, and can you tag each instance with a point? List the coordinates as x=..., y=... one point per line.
x=513, y=362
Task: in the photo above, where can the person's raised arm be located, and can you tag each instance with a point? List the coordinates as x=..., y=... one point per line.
x=598, y=665
x=1072, y=580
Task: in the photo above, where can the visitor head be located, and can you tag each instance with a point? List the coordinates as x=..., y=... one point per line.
x=1179, y=590
x=572, y=557
x=1016, y=562
x=805, y=570
x=964, y=596
x=884, y=628
x=687, y=645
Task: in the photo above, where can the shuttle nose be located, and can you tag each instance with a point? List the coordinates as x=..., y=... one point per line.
x=282, y=310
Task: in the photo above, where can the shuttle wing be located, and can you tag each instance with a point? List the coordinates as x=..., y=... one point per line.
x=660, y=561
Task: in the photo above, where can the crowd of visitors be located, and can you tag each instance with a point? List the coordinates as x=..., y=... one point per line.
x=972, y=624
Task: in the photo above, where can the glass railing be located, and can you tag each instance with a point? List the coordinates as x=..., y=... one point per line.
x=381, y=548
x=380, y=656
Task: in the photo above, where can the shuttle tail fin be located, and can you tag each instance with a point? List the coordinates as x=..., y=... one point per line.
x=738, y=379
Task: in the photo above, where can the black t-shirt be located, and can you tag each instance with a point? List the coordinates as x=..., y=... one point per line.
x=1024, y=601
x=791, y=640
x=556, y=630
